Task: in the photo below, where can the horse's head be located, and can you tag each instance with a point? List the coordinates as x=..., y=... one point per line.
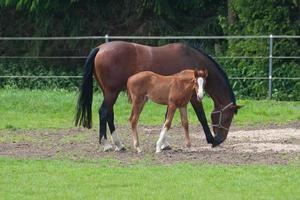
x=221, y=120
x=200, y=79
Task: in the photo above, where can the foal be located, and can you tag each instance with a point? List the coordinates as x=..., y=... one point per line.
x=174, y=91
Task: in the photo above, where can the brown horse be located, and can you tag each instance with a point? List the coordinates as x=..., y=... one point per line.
x=114, y=62
x=175, y=91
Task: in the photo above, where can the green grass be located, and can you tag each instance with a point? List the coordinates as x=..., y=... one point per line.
x=50, y=179
x=38, y=109
x=106, y=179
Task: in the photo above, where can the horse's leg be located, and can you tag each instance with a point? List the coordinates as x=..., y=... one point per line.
x=137, y=108
x=185, y=125
x=166, y=145
x=166, y=114
x=198, y=107
x=106, y=115
x=111, y=100
x=102, y=127
x=166, y=127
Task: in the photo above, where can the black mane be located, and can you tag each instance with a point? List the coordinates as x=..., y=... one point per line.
x=198, y=48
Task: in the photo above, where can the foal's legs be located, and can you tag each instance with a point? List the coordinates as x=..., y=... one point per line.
x=166, y=145
x=137, y=107
x=185, y=124
x=166, y=127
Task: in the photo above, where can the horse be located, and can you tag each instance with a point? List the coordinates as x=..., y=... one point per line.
x=175, y=91
x=114, y=62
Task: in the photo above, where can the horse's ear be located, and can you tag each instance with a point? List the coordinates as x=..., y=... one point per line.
x=237, y=107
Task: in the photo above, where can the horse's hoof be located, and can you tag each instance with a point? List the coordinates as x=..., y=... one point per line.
x=219, y=139
x=139, y=150
x=188, y=145
x=165, y=148
x=215, y=144
x=122, y=148
x=158, y=151
x=210, y=140
x=119, y=146
x=117, y=141
x=106, y=145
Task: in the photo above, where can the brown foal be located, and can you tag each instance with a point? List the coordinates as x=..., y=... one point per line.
x=174, y=91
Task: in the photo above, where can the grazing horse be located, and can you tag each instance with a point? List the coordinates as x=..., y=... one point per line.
x=175, y=91
x=114, y=62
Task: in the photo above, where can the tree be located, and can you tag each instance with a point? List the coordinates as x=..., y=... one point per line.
x=264, y=18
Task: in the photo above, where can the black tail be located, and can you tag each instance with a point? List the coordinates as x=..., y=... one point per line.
x=84, y=104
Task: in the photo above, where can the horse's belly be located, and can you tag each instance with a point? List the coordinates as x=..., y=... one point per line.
x=158, y=98
x=159, y=101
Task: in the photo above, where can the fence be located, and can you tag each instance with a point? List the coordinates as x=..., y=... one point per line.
x=107, y=38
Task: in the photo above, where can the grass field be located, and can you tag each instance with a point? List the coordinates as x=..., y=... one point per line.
x=107, y=179
x=26, y=109
x=48, y=179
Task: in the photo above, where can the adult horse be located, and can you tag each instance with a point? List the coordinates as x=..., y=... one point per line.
x=114, y=62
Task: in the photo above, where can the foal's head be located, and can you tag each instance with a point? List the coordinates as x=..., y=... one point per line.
x=200, y=79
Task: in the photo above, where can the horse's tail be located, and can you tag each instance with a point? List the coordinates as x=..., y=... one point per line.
x=84, y=103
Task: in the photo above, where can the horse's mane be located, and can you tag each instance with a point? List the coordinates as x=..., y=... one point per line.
x=197, y=47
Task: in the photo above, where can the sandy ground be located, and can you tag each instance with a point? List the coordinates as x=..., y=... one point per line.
x=260, y=145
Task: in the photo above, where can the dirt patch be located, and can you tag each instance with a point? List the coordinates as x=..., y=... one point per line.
x=273, y=145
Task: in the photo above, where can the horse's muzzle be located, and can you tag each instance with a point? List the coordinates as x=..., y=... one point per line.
x=218, y=139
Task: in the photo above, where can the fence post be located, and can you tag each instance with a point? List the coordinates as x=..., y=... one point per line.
x=106, y=38
x=270, y=66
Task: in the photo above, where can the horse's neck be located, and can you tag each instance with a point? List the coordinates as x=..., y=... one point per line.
x=218, y=89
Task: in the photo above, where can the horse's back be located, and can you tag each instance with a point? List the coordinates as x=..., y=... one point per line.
x=118, y=60
x=123, y=44
x=140, y=78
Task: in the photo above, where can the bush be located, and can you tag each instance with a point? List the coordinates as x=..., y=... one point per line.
x=39, y=68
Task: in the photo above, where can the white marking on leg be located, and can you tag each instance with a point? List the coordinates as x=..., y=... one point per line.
x=106, y=145
x=139, y=149
x=117, y=141
x=161, y=139
x=165, y=144
x=200, y=92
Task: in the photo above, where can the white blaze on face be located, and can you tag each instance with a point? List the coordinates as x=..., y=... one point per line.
x=200, y=92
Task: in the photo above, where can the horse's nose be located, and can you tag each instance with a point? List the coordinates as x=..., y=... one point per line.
x=218, y=139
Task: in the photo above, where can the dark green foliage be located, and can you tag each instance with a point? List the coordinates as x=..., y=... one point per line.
x=280, y=17
x=38, y=68
x=153, y=17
